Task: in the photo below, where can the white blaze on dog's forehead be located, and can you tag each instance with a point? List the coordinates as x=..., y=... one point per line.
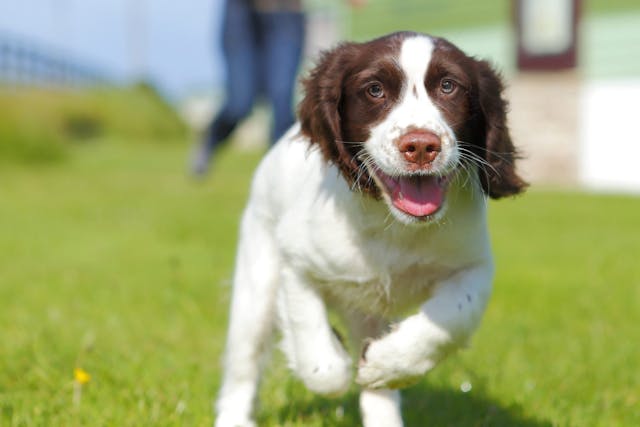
x=415, y=108
x=415, y=55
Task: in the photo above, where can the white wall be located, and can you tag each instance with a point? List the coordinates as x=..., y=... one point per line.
x=609, y=127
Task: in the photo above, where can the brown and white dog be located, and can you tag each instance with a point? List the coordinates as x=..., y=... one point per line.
x=373, y=205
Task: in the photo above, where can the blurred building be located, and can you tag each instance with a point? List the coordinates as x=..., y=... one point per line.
x=572, y=109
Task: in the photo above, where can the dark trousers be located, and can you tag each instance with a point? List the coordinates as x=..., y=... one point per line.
x=262, y=52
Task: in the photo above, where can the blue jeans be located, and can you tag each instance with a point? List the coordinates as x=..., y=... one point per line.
x=262, y=52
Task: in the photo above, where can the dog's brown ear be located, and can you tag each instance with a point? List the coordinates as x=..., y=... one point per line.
x=498, y=177
x=319, y=110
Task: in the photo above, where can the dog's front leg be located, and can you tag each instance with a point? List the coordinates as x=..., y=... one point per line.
x=250, y=321
x=420, y=341
x=380, y=408
x=314, y=352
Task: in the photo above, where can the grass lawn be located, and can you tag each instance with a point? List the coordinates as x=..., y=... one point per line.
x=383, y=16
x=116, y=263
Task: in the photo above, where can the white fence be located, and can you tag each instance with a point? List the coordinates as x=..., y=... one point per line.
x=25, y=63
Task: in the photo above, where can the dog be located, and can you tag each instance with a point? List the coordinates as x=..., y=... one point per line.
x=373, y=206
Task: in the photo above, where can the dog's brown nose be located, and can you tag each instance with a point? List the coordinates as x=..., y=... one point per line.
x=420, y=147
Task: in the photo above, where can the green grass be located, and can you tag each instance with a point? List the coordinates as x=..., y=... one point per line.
x=117, y=263
x=383, y=16
x=40, y=125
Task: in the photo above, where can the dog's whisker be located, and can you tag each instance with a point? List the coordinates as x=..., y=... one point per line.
x=479, y=161
x=506, y=157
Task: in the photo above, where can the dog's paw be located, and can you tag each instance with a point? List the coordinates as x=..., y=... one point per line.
x=323, y=366
x=382, y=365
x=328, y=374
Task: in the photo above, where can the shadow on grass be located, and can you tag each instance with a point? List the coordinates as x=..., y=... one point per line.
x=422, y=405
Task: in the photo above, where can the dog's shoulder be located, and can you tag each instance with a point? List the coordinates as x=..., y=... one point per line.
x=290, y=165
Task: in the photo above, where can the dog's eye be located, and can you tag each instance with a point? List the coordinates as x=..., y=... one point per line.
x=447, y=86
x=375, y=90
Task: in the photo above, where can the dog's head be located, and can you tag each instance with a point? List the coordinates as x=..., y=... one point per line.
x=405, y=115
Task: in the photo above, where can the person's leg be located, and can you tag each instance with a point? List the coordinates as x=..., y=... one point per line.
x=282, y=41
x=241, y=59
x=241, y=56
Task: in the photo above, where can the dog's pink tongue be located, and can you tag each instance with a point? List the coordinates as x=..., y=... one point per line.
x=419, y=196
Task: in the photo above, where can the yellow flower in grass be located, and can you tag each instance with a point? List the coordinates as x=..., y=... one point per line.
x=81, y=376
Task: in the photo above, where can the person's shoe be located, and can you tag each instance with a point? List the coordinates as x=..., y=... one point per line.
x=200, y=160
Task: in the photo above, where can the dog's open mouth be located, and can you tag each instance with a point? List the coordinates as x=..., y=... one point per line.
x=420, y=196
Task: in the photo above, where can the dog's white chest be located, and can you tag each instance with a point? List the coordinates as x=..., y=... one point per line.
x=385, y=272
x=389, y=293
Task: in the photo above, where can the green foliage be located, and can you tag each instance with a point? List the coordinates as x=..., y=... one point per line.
x=39, y=125
x=385, y=16
x=119, y=264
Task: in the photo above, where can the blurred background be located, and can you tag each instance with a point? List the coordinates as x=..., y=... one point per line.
x=559, y=108
x=115, y=264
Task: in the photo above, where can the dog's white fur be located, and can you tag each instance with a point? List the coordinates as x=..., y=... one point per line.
x=411, y=290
